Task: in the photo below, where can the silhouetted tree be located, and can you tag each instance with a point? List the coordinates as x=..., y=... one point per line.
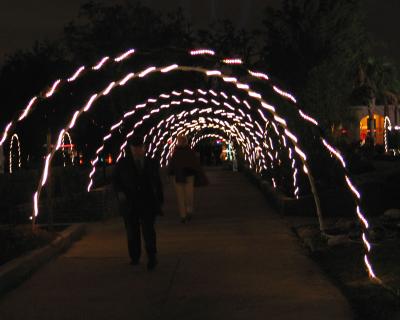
x=112, y=29
x=227, y=40
x=26, y=73
x=314, y=47
x=377, y=80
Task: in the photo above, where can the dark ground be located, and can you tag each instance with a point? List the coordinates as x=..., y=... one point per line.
x=236, y=260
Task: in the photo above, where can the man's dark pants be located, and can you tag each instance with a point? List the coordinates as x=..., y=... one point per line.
x=135, y=225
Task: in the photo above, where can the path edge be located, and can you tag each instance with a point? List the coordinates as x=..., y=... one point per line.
x=16, y=271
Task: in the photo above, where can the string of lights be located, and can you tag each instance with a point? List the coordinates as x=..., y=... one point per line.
x=70, y=146
x=14, y=140
x=197, y=140
x=56, y=85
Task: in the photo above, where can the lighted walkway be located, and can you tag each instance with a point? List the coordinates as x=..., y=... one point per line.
x=236, y=260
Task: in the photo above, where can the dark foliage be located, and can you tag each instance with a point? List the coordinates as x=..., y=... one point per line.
x=314, y=47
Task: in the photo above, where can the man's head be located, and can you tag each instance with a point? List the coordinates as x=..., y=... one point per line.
x=137, y=147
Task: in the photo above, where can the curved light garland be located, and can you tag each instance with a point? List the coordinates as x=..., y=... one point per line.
x=156, y=109
x=10, y=161
x=196, y=141
x=199, y=127
x=388, y=127
x=171, y=118
x=171, y=122
x=52, y=89
x=228, y=142
x=201, y=123
x=270, y=108
x=71, y=147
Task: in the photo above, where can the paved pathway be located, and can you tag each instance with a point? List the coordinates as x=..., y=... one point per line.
x=236, y=260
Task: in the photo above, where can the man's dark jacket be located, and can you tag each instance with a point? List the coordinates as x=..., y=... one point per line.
x=142, y=188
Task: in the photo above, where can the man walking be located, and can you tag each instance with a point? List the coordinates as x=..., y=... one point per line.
x=137, y=180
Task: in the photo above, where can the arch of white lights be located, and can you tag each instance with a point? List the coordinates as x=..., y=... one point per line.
x=197, y=126
x=161, y=138
x=250, y=146
x=172, y=129
x=71, y=148
x=265, y=107
x=171, y=120
x=250, y=156
x=214, y=101
x=214, y=73
x=122, y=147
x=388, y=127
x=14, y=140
x=197, y=140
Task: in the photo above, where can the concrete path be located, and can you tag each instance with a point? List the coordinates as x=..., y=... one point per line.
x=236, y=260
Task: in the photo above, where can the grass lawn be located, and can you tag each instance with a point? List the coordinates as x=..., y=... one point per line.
x=17, y=240
x=344, y=265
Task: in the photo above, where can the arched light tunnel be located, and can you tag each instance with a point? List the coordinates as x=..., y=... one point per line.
x=203, y=94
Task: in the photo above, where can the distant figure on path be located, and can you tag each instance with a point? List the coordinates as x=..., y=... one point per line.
x=186, y=170
x=136, y=178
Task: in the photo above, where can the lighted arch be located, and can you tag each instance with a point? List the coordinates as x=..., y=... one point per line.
x=153, y=102
x=165, y=155
x=256, y=96
x=196, y=140
x=171, y=119
x=201, y=137
x=145, y=117
x=14, y=140
x=166, y=134
x=197, y=128
x=213, y=99
x=227, y=141
x=69, y=146
x=185, y=127
x=389, y=128
x=265, y=108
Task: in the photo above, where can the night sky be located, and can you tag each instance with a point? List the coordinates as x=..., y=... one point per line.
x=23, y=21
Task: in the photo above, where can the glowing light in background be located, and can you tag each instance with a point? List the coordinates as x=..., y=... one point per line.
x=27, y=109
x=70, y=146
x=100, y=64
x=259, y=75
x=5, y=133
x=335, y=152
x=308, y=118
x=76, y=74
x=202, y=52
x=124, y=55
x=14, y=140
x=232, y=61
x=285, y=94
x=53, y=88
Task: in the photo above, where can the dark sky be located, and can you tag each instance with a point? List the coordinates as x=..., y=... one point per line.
x=23, y=21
